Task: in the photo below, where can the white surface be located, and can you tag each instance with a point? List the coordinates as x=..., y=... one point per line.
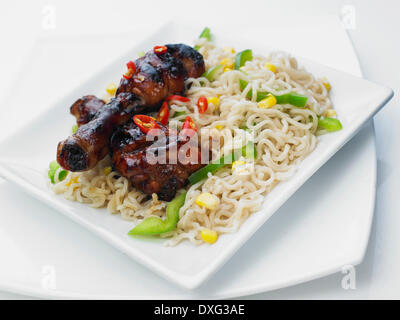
x=182, y=264
x=376, y=277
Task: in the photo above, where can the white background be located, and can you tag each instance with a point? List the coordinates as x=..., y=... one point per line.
x=375, y=38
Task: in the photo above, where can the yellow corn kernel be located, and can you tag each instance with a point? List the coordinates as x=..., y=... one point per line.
x=237, y=164
x=111, y=88
x=107, y=170
x=214, y=101
x=219, y=127
x=73, y=180
x=227, y=69
x=330, y=113
x=229, y=50
x=268, y=102
x=270, y=67
x=327, y=85
x=227, y=62
x=209, y=235
x=207, y=200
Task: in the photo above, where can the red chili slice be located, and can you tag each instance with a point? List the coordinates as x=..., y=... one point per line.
x=202, y=104
x=145, y=123
x=160, y=49
x=163, y=115
x=131, y=70
x=189, y=127
x=177, y=98
x=131, y=65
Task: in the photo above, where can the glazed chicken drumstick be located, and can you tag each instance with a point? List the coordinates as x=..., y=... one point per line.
x=157, y=76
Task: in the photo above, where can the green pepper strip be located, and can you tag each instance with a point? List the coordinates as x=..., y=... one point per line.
x=211, y=73
x=242, y=57
x=248, y=151
x=155, y=225
x=293, y=98
x=74, y=128
x=179, y=113
x=206, y=33
x=53, y=167
x=329, y=124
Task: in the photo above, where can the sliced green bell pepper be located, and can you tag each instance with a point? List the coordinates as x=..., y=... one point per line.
x=329, y=124
x=293, y=98
x=155, y=225
x=179, y=113
x=206, y=33
x=53, y=167
x=211, y=73
x=242, y=57
x=248, y=151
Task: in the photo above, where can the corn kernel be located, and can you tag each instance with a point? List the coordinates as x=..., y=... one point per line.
x=227, y=69
x=207, y=200
x=107, y=170
x=73, y=180
x=229, y=50
x=227, y=62
x=268, y=102
x=219, y=127
x=270, y=67
x=327, y=85
x=214, y=101
x=111, y=88
x=237, y=163
x=330, y=113
x=209, y=235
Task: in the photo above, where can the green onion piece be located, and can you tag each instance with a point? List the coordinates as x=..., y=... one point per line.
x=141, y=54
x=53, y=167
x=74, y=128
x=155, y=225
x=248, y=151
x=206, y=33
x=196, y=47
x=211, y=73
x=329, y=124
x=242, y=57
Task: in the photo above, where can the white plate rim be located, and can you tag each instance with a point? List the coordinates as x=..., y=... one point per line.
x=184, y=281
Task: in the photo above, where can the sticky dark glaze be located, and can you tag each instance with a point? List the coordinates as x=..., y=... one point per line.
x=89, y=144
x=129, y=154
x=85, y=108
x=157, y=77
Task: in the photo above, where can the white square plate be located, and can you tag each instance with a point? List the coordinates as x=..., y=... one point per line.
x=25, y=156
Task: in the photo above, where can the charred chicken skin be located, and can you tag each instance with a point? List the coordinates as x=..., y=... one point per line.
x=157, y=76
x=85, y=108
x=134, y=157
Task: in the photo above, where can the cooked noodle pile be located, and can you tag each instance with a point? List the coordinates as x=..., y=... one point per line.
x=283, y=135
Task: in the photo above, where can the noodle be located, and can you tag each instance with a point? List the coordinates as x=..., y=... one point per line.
x=284, y=135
